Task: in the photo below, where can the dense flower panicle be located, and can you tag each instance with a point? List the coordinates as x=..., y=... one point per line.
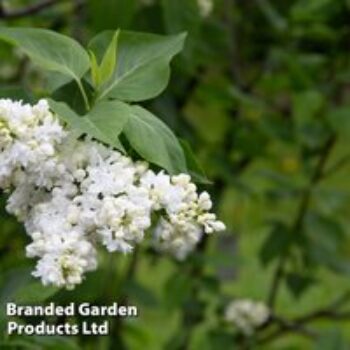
x=73, y=194
x=247, y=314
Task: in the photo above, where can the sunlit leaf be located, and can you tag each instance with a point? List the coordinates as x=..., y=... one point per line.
x=143, y=63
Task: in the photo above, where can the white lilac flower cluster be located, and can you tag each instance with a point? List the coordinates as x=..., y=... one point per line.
x=74, y=194
x=247, y=314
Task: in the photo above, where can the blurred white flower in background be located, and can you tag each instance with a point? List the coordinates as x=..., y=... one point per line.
x=205, y=7
x=247, y=314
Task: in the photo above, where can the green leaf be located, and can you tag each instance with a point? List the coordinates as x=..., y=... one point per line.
x=104, y=122
x=154, y=141
x=324, y=244
x=298, y=284
x=71, y=95
x=220, y=339
x=177, y=290
x=141, y=294
x=194, y=168
x=339, y=119
x=55, y=81
x=137, y=336
x=325, y=237
x=16, y=93
x=109, y=60
x=54, y=342
x=11, y=344
x=14, y=280
x=181, y=15
x=306, y=105
x=331, y=340
x=95, y=70
x=35, y=292
x=50, y=50
x=110, y=14
x=185, y=16
x=143, y=63
x=19, y=286
x=276, y=243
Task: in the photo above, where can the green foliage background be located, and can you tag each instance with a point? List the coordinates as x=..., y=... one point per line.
x=262, y=94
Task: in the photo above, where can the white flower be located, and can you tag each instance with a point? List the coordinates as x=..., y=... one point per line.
x=186, y=214
x=123, y=220
x=64, y=258
x=28, y=137
x=205, y=7
x=74, y=194
x=247, y=314
x=176, y=239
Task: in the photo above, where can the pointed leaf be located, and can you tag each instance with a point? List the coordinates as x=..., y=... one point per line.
x=194, y=168
x=49, y=50
x=95, y=70
x=154, y=141
x=143, y=63
x=276, y=243
x=109, y=60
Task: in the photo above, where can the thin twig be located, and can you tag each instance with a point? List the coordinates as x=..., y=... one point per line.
x=299, y=325
x=338, y=165
x=286, y=326
x=323, y=314
x=317, y=176
x=27, y=11
x=328, y=312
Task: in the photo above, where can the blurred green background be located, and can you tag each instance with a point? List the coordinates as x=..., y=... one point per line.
x=262, y=94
